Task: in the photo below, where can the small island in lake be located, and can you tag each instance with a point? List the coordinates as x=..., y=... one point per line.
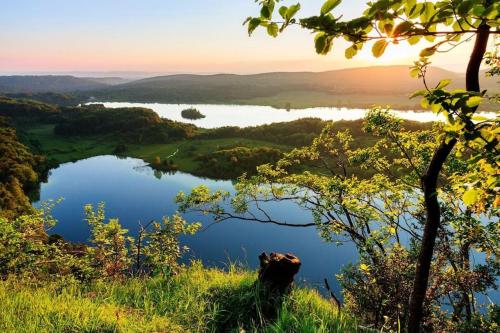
x=192, y=114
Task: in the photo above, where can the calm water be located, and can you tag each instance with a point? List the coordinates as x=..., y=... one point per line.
x=254, y=115
x=134, y=192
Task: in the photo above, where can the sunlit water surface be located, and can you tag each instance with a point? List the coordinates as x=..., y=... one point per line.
x=255, y=115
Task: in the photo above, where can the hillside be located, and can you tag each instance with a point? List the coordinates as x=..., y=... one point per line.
x=46, y=83
x=356, y=87
x=353, y=87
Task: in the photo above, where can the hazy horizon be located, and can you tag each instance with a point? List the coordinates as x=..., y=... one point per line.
x=144, y=74
x=169, y=37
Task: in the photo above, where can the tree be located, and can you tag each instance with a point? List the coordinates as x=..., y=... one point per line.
x=111, y=247
x=391, y=22
x=446, y=24
x=162, y=248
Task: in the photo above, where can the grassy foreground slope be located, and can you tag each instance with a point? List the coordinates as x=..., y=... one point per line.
x=195, y=300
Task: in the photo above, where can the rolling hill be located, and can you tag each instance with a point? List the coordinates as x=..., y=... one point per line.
x=354, y=87
x=46, y=83
x=357, y=87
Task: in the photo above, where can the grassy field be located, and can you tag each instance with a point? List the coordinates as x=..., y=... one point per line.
x=69, y=149
x=309, y=99
x=188, y=150
x=195, y=300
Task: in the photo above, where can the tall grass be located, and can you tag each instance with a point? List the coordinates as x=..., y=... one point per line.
x=197, y=299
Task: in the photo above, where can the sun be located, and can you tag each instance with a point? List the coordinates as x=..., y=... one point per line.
x=395, y=53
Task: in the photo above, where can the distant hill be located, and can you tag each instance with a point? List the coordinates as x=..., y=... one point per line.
x=359, y=87
x=47, y=83
x=110, y=80
x=354, y=87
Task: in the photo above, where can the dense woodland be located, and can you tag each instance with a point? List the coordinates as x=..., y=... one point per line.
x=20, y=172
x=133, y=125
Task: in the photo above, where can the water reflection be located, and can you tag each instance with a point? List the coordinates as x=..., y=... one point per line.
x=134, y=192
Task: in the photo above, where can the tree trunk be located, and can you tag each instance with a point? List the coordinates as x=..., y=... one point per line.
x=277, y=271
x=429, y=185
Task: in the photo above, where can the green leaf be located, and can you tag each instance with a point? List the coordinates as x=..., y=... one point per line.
x=329, y=5
x=474, y=101
x=427, y=12
x=267, y=9
x=471, y=196
x=265, y=12
x=291, y=11
x=424, y=103
x=414, y=40
x=464, y=7
x=272, y=29
x=414, y=72
x=478, y=10
x=401, y=28
x=415, y=10
x=379, y=48
x=418, y=93
x=282, y=11
x=409, y=6
x=427, y=52
x=388, y=29
x=442, y=84
x=253, y=24
x=350, y=52
x=323, y=43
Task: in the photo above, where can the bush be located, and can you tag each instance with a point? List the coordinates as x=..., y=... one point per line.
x=233, y=162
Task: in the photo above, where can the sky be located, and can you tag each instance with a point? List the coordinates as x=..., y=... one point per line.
x=172, y=36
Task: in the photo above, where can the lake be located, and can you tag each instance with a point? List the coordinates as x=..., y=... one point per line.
x=134, y=192
x=255, y=115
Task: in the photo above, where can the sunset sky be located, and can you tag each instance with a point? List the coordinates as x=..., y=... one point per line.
x=171, y=36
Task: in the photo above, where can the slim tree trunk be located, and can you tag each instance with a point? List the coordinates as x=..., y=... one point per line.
x=429, y=185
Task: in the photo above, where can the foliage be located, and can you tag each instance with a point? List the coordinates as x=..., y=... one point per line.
x=385, y=22
x=46, y=83
x=19, y=172
x=49, y=98
x=229, y=163
x=162, y=249
x=26, y=111
x=378, y=293
x=48, y=284
x=478, y=139
x=192, y=114
x=446, y=24
x=294, y=133
x=110, y=251
x=135, y=125
x=382, y=215
x=27, y=250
